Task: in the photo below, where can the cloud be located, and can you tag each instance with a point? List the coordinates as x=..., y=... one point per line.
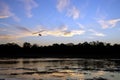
x=22, y=28
x=95, y=33
x=81, y=26
x=61, y=32
x=74, y=13
x=10, y=31
x=5, y=37
x=5, y=12
x=71, y=10
x=90, y=37
x=62, y=4
x=29, y=5
x=8, y=36
x=109, y=23
x=99, y=34
x=58, y=33
x=15, y=27
x=100, y=13
x=3, y=16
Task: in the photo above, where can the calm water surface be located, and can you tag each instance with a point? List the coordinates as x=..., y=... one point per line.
x=59, y=69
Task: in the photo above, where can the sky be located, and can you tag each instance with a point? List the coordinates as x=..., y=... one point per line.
x=59, y=21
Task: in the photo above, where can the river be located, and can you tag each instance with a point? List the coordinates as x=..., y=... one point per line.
x=59, y=69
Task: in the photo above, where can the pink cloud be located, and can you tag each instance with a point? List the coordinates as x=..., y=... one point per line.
x=29, y=5
x=5, y=12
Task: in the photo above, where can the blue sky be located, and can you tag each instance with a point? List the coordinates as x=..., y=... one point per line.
x=59, y=21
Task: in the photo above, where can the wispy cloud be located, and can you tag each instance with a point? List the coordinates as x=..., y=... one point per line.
x=3, y=16
x=61, y=32
x=109, y=23
x=81, y=26
x=29, y=5
x=101, y=19
x=95, y=33
x=74, y=13
x=71, y=10
x=100, y=13
x=6, y=36
x=58, y=33
x=22, y=28
x=62, y=4
x=11, y=31
x=5, y=12
x=13, y=26
x=18, y=31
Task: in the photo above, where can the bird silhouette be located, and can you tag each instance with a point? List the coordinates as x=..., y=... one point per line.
x=39, y=32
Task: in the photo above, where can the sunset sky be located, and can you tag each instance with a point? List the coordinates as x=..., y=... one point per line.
x=59, y=21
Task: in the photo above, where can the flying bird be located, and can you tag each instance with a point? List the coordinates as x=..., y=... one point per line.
x=39, y=32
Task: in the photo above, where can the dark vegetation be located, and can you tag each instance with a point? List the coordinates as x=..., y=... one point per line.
x=82, y=50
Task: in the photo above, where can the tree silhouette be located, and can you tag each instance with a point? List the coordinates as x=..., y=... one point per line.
x=26, y=45
x=34, y=46
x=93, y=49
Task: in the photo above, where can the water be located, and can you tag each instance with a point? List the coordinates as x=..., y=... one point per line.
x=59, y=69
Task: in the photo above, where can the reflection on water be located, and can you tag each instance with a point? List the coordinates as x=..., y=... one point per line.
x=59, y=69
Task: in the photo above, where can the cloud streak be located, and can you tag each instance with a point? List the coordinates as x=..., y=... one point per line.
x=62, y=4
x=74, y=13
x=5, y=12
x=95, y=33
x=71, y=11
x=22, y=28
x=109, y=23
x=81, y=26
x=61, y=32
x=3, y=16
x=5, y=37
x=18, y=31
x=58, y=33
x=11, y=31
x=29, y=5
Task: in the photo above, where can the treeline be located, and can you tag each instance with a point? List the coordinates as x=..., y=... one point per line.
x=93, y=49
